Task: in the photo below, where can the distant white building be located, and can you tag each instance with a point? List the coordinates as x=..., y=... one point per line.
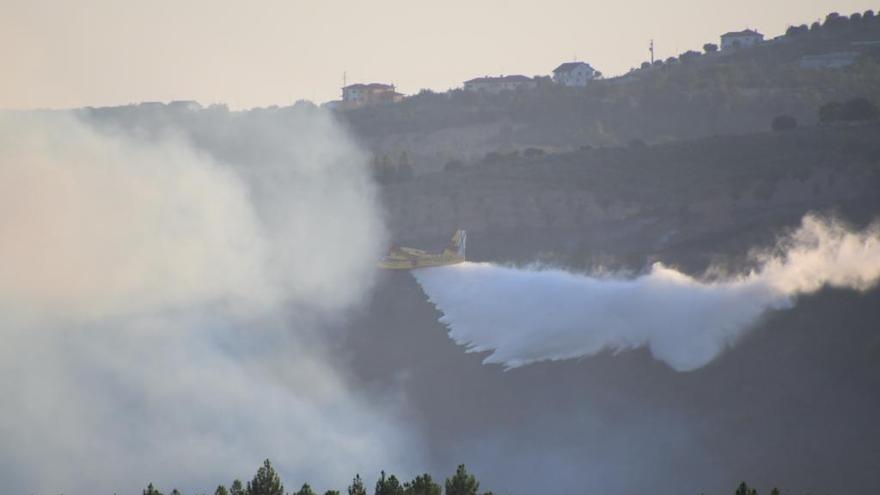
x=495, y=85
x=574, y=74
x=834, y=60
x=740, y=39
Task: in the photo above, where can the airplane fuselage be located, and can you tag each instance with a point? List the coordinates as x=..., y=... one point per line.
x=404, y=258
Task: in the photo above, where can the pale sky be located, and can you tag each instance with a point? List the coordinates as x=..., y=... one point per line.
x=66, y=53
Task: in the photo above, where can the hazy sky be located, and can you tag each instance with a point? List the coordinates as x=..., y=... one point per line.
x=106, y=52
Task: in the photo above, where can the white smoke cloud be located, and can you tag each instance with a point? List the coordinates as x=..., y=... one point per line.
x=146, y=305
x=523, y=316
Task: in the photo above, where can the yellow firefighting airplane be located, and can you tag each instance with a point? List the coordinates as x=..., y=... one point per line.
x=404, y=258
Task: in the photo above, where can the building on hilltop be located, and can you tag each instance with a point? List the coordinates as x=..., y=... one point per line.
x=574, y=74
x=495, y=85
x=740, y=39
x=360, y=95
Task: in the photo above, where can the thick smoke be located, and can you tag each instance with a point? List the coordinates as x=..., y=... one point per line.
x=158, y=308
x=523, y=316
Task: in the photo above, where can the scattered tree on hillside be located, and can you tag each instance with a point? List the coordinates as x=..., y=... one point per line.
x=266, y=481
x=646, y=65
x=236, y=488
x=774, y=491
x=797, y=30
x=221, y=490
x=331, y=492
x=462, y=483
x=421, y=485
x=835, y=20
x=689, y=56
x=710, y=48
x=357, y=486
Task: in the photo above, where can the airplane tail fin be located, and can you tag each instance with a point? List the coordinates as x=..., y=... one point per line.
x=458, y=244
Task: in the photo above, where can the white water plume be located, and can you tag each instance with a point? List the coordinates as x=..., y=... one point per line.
x=522, y=316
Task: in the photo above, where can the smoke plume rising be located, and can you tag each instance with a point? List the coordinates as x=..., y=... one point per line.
x=523, y=316
x=159, y=305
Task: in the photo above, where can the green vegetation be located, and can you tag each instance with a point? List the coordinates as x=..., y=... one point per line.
x=266, y=481
x=691, y=95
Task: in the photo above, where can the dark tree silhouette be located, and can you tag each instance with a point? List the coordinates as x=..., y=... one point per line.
x=388, y=486
x=357, y=486
x=462, y=483
x=743, y=489
x=150, y=490
x=265, y=482
x=422, y=485
x=305, y=490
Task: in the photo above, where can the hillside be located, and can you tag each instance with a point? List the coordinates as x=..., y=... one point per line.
x=694, y=95
x=644, y=199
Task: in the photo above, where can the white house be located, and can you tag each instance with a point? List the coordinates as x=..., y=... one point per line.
x=495, y=85
x=574, y=74
x=740, y=39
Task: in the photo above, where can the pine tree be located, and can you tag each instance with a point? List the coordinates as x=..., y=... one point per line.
x=774, y=491
x=221, y=490
x=175, y=492
x=388, y=486
x=149, y=490
x=305, y=490
x=331, y=492
x=265, y=482
x=462, y=483
x=357, y=486
x=422, y=485
x=236, y=488
x=743, y=489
